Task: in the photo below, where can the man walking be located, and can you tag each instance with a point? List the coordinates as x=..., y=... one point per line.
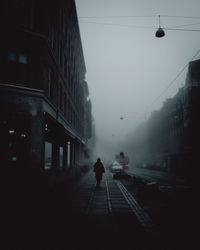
x=99, y=170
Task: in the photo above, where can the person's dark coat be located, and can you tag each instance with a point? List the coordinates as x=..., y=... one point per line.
x=99, y=170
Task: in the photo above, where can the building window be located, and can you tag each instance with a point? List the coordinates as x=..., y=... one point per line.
x=16, y=57
x=65, y=104
x=51, y=82
x=61, y=59
x=61, y=157
x=17, y=71
x=48, y=156
x=60, y=99
x=68, y=154
x=12, y=57
x=22, y=59
x=52, y=36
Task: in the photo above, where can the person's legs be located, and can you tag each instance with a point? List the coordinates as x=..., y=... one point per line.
x=97, y=179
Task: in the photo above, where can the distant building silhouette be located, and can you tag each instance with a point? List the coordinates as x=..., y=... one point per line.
x=169, y=140
x=45, y=114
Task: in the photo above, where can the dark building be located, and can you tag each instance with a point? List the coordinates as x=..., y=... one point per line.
x=45, y=115
x=169, y=140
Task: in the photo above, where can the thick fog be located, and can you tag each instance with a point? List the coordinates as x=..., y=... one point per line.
x=128, y=68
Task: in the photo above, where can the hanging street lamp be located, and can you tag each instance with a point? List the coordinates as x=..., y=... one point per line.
x=160, y=32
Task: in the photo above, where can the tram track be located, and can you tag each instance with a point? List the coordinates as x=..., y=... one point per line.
x=109, y=201
x=108, y=197
x=95, y=190
x=139, y=212
x=141, y=215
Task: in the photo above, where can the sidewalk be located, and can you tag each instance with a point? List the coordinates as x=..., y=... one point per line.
x=75, y=215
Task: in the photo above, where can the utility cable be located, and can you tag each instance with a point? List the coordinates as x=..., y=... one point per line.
x=194, y=30
x=137, y=27
x=187, y=17
x=99, y=17
x=118, y=24
x=172, y=82
x=183, y=25
x=138, y=16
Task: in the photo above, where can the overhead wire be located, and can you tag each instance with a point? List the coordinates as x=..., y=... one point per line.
x=142, y=16
x=181, y=29
x=100, y=17
x=173, y=81
x=183, y=25
x=187, y=17
x=138, y=27
x=118, y=24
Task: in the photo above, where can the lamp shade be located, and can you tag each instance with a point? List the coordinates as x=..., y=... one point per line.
x=160, y=32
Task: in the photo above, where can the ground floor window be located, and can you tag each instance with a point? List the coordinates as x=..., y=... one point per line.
x=68, y=154
x=15, y=140
x=61, y=157
x=48, y=155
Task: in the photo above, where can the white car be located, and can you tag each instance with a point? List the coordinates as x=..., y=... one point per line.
x=116, y=168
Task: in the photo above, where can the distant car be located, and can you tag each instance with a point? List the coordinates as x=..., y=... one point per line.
x=116, y=168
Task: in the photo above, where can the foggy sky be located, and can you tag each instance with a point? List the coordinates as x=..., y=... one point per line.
x=128, y=68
